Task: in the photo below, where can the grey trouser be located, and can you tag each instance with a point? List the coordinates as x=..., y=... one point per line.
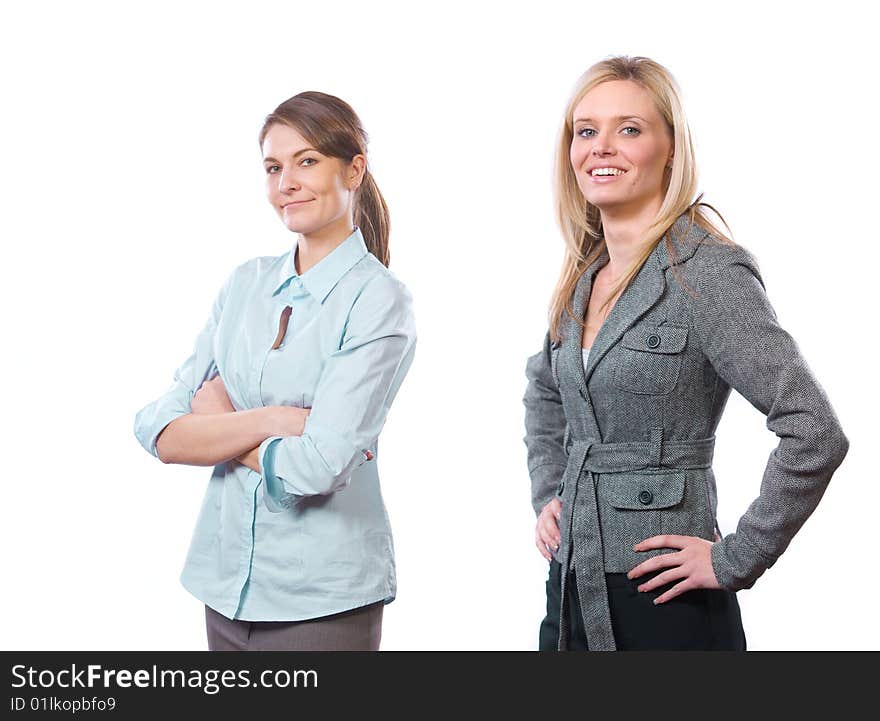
x=357, y=630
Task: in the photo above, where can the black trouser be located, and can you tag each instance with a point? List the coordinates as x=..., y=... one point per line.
x=699, y=620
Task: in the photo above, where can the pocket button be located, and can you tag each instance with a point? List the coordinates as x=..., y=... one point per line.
x=645, y=497
x=653, y=340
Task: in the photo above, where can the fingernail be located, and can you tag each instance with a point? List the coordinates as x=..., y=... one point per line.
x=655, y=601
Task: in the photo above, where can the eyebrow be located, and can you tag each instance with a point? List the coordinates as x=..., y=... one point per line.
x=270, y=159
x=619, y=118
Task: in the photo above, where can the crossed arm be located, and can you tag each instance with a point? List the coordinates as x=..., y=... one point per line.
x=215, y=432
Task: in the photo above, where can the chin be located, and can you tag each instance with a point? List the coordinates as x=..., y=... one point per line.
x=603, y=202
x=295, y=225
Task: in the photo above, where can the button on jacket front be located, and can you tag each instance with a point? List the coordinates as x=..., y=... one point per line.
x=626, y=442
x=309, y=536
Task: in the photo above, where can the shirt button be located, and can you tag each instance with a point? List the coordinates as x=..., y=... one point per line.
x=653, y=340
x=645, y=497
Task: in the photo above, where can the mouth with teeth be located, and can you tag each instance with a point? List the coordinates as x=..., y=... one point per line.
x=601, y=172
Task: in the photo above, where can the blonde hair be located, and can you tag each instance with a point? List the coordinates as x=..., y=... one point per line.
x=580, y=221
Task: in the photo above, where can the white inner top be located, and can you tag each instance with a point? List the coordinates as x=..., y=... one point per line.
x=586, y=354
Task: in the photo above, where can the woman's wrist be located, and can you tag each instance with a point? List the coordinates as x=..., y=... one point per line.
x=266, y=420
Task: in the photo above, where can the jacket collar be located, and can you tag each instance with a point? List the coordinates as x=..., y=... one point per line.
x=686, y=238
x=322, y=277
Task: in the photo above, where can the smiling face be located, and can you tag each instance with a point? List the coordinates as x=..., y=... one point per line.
x=620, y=147
x=313, y=193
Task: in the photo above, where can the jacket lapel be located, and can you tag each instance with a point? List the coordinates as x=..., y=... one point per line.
x=643, y=292
x=572, y=338
x=573, y=333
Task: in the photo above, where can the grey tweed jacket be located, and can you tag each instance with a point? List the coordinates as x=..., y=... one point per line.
x=626, y=443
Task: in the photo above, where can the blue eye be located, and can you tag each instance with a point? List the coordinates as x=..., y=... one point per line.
x=636, y=131
x=308, y=161
x=269, y=168
x=583, y=132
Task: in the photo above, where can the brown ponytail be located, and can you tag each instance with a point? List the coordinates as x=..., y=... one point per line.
x=334, y=129
x=371, y=216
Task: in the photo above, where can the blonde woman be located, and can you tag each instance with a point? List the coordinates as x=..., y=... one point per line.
x=655, y=317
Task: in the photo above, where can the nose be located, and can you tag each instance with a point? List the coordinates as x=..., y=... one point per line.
x=287, y=181
x=603, y=144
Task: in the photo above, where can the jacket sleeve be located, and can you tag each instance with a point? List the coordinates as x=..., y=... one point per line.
x=151, y=420
x=545, y=428
x=752, y=353
x=354, y=393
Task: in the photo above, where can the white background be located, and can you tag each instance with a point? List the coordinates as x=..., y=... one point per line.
x=132, y=185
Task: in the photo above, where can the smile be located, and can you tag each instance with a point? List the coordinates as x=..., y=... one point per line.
x=295, y=203
x=605, y=176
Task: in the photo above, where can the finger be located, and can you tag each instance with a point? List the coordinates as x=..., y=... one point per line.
x=550, y=530
x=676, y=590
x=549, y=520
x=661, y=579
x=664, y=560
x=664, y=541
x=549, y=538
x=543, y=549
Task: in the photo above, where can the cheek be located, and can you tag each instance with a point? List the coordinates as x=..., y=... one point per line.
x=271, y=190
x=577, y=155
x=652, y=159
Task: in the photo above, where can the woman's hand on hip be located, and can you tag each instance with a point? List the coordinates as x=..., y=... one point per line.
x=691, y=565
x=547, y=528
x=211, y=397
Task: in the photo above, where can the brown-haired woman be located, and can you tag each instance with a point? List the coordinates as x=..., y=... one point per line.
x=285, y=394
x=655, y=317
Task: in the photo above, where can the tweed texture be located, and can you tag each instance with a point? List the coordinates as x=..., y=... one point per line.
x=626, y=442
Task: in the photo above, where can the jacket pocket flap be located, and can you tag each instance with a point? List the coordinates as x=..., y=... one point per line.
x=656, y=339
x=644, y=492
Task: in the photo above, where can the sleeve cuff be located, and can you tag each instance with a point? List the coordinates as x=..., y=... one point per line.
x=276, y=498
x=546, y=482
x=151, y=421
x=737, y=564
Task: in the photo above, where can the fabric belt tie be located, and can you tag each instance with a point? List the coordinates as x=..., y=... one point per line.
x=585, y=551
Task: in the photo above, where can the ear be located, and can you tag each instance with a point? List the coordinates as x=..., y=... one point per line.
x=355, y=172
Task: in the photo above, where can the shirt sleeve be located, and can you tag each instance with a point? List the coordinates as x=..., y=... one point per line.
x=353, y=395
x=752, y=353
x=151, y=420
x=545, y=427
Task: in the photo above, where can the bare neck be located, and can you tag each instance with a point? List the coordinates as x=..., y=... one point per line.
x=624, y=232
x=312, y=248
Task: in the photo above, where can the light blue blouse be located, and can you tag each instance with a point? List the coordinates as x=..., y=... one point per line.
x=310, y=535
